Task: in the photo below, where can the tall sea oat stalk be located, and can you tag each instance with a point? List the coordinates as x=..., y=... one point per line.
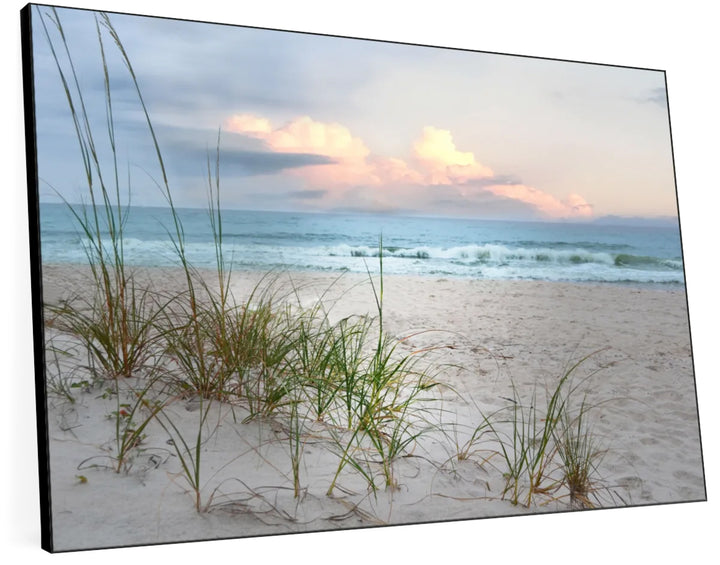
x=116, y=323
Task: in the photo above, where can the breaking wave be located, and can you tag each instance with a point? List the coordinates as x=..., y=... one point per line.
x=491, y=254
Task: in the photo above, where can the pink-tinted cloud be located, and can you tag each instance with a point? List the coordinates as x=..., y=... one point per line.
x=304, y=135
x=435, y=161
x=574, y=206
x=391, y=171
x=442, y=163
x=579, y=205
x=248, y=124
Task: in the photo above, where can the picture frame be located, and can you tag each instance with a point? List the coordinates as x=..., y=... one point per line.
x=453, y=346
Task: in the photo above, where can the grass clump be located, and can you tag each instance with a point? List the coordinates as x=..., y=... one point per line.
x=381, y=395
x=580, y=455
x=543, y=449
x=116, y=322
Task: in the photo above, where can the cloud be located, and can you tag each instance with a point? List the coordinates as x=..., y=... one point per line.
x=436, y=158
x=238, y=157
x=435, y=161
x=657, y=96
x=248, y=124
x=497, y=179
x=263, y=162
x=443, y=163
x=347, y=155
x=393, y=171
x=573, y=206
x=234, y=162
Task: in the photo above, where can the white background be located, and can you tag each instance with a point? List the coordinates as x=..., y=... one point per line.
x=679, y=40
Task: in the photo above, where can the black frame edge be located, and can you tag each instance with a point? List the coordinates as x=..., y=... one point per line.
x=46, y=538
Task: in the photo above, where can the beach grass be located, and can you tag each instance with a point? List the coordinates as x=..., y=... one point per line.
x=544, y=442
x=581, y=454
x=116, y=322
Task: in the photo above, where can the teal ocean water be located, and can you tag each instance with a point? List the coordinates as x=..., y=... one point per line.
x=441, y=247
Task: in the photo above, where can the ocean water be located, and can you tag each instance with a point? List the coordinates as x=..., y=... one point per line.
x=441, y=247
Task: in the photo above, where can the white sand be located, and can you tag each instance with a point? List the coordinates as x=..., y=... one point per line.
x=500, y=332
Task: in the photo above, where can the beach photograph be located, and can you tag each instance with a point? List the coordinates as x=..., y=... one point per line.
x=293, y=283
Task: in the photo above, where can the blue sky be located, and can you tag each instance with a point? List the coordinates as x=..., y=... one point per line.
x=324, y=123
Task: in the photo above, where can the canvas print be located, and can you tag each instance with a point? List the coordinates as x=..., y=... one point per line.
x=289, y=282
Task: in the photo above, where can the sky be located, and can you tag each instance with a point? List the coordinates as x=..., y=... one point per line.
x=320, y=123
